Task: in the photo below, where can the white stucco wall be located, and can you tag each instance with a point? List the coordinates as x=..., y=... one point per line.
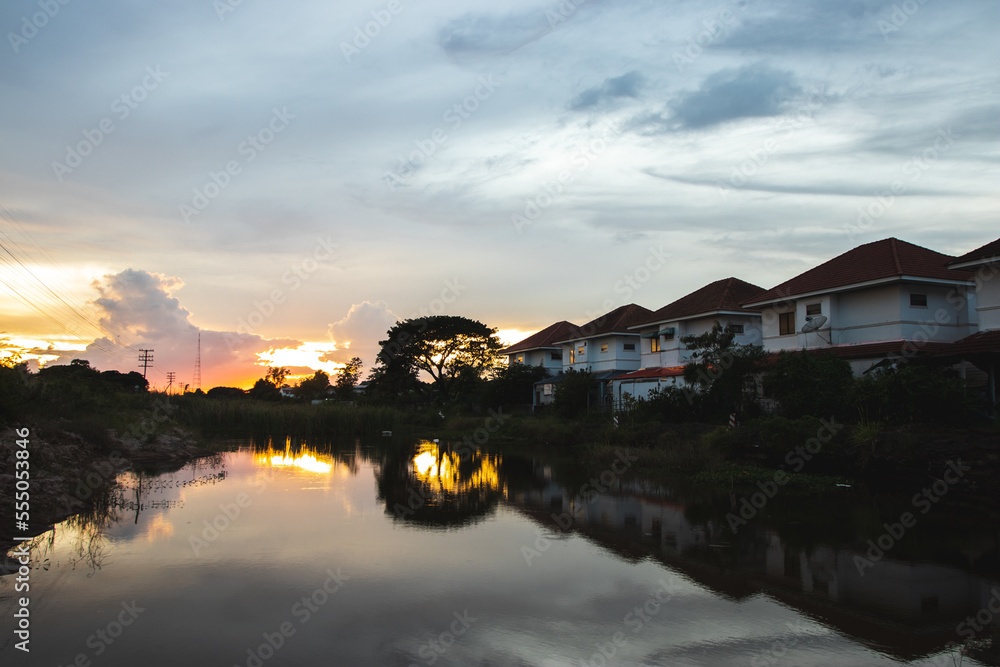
x=616, y=358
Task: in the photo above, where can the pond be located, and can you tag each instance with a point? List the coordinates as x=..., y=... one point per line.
x=414, y=553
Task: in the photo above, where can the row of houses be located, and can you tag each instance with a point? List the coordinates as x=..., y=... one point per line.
x=875, y=303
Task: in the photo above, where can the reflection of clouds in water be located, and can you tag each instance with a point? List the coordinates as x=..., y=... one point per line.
x=159, y=528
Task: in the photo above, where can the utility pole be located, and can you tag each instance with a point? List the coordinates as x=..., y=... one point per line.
x=171, y=376
x=145, y=359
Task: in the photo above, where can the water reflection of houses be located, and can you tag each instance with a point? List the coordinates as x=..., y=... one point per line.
x=905, y=609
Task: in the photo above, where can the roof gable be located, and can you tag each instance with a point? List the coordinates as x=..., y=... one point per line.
x=722, y=295
x=881, y=260
x=990, y=251
x=618, y=320
x=547, y=337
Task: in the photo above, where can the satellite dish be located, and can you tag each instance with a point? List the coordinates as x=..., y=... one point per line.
x=813, y=323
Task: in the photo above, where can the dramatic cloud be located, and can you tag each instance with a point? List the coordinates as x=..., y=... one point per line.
x=357, y=334
x=753, y=91
x=138, y=311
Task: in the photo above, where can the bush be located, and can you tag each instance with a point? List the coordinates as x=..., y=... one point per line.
x=912, y=392
x=815, y=384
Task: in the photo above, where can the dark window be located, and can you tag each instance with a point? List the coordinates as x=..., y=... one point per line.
x=556, y=356
x=735, y=328
x=918, y=300
x=668, y=334
x=786, y=323
x=630, y=347
x=814, y=309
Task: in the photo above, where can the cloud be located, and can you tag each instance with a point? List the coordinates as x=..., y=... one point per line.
x=482, y=34
x=626, y=85
x=357, y=334
x=138, y=311
x=749, y=92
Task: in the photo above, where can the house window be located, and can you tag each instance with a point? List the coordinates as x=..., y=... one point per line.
x=604, y=348
x=546, y=390
x=579, y=350
x=556, y=356
x=814, y=309
x=668, y=333
x=520, y=359
x=735, y=328
x=630, y=347
x=786, y=323
x=572, y=356
x=654, y=344
x=918, y=300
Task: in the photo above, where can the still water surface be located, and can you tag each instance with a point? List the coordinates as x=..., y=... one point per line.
x=407, y=554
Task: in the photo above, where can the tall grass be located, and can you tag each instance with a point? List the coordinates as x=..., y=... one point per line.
x=248, y=417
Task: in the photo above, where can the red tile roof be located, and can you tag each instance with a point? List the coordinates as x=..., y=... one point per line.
x=667, y=372
x=886, y=259
x=726, y=294
x=978, y=343
x=987, y=252
x=545, y=338
x=618, y=321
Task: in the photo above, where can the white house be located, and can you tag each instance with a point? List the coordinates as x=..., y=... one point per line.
x=696, y=314
x=984, y=262
x=662, y=353
x=604, y=346
x=983, y=348
x=541, y=349
x=879, y=300
x=605, y=343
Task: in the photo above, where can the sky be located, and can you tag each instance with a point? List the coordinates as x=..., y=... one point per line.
x=289, y=179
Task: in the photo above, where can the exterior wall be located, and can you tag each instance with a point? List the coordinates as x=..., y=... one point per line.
x=643, y=387
x=674, y=353
x=617, y=358
x=988, y=301
x=538, y=358
x=876, y=314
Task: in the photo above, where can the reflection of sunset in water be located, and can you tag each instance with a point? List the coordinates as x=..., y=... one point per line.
x=444, y=471
x=302, y=458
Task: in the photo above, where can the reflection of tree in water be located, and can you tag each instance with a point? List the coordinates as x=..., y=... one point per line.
x=436, y=485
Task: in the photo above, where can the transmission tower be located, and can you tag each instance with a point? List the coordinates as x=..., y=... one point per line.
x=171, y=376
x=197, y=366
x=145, y=359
